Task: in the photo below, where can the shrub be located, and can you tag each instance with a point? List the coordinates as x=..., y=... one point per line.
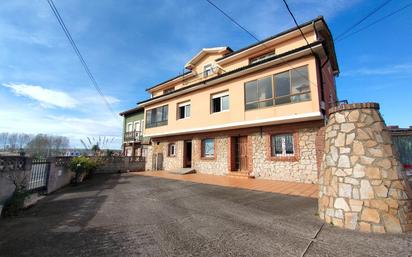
x=15, y=203
x=83, y=166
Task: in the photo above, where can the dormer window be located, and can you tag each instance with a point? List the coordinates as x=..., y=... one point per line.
x=262, y=57
x=168, y=90
x=207, y=70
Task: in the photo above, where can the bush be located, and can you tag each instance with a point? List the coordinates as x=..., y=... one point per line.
x=15, y=203
x=84, y=167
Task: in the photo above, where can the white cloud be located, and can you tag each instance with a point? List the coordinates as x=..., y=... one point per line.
x=19, y=120
x=46, y=97
x=404, y=69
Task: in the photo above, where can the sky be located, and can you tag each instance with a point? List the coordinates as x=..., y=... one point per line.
x=130, y=45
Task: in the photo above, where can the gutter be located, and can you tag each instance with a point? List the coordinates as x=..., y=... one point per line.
x=277, y=59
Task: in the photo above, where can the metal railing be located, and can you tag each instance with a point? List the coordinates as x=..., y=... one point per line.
x=204, y=75
x=133, y=136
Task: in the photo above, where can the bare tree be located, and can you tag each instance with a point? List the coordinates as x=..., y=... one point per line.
x=12, y=141
x=43, y=145
x=23, y=140
x=4, y=136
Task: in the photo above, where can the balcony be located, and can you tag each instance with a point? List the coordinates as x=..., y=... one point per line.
x=214, y=71
x=133, y=136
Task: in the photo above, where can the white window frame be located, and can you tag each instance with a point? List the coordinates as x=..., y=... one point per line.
x=184, y=104
x=283, y=154
x=207, y=70
x=128, y=127
x=220, y=95
x=171, y=150
x=203, y=150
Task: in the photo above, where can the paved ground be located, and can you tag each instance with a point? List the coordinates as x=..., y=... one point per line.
x=129, y=215
x=273, y=186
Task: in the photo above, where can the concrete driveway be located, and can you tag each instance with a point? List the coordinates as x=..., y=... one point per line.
x=129, y=215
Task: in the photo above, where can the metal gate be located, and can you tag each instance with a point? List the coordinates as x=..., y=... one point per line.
x=39, y=174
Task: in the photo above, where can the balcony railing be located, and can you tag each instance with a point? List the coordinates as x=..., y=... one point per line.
x=204, y=75
x=133, y=136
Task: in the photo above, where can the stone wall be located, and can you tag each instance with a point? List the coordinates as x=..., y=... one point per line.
x=149, y=158
x=216, y=166
x=173, y=162
x=303, y=168
x=60, y=175
x=361, y=184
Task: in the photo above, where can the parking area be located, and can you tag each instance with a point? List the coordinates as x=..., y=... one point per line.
x=131, y=215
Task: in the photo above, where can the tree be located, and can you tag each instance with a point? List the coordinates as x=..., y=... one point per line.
x=12, y=141
x=43, y=145
x=4, y=140
x=23, y=140
x=97, y=144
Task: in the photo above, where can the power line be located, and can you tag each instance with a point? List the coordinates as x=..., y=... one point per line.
x=361, y=20
x=77, y=51
x=297, y=25
x=248, y=32
x=233, y=20
x=375, y=22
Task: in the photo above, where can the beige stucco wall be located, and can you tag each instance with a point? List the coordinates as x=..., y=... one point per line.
x=280, y=45
x=200, y=102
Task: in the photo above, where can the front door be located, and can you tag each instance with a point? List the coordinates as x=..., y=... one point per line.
x=240, y=153
x=187, y=160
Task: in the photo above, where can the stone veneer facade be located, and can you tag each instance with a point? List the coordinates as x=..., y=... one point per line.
x=303, y=167
x=361, y=184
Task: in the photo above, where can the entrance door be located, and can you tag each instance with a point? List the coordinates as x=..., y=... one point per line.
x=240, y=153
x=187, y=161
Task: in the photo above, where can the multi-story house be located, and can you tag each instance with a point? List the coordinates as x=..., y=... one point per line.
x=257, y=111
x=134, y=143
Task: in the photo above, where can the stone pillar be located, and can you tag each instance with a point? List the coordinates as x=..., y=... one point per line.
x=361, y=186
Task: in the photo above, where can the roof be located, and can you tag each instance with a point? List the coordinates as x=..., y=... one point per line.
x=319, y=18
x=164, y=82
x=131, y=111
x=204, y=52
x=280, y=56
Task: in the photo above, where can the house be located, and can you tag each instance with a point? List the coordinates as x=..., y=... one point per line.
x=255, y=112
x=134, y=143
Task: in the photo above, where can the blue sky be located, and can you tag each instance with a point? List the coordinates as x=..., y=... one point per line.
x=131, y=45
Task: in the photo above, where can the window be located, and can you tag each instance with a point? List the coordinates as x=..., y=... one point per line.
x=258, y=93
x=183, y=110
x=168, y=90
x=137, y=125
x=291, y=86
x=171, y=150
x=157, y=116
x=220, y=102
x=282, y=145
x=262, y=57
x=129, y=127
x=208, y=148
x=207, y=70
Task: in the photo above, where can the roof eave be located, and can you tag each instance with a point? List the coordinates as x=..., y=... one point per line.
x=228, y=75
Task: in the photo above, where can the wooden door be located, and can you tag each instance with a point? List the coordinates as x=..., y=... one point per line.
x=242, y=153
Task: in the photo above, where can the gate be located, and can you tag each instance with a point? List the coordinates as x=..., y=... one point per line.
x=39, y=174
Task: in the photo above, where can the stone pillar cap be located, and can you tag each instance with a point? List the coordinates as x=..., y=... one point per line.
x=354, y=106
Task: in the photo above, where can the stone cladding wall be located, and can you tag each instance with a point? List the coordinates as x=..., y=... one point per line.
x=361, y=183
x=217, y=165
x=301, y=168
